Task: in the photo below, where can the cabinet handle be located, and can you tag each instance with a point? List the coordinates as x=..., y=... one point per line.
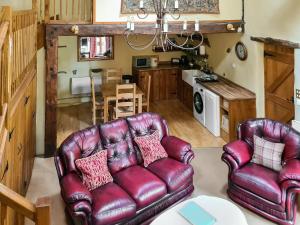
x=33, y=115
x=27, y=99
x=268, y=54
x=20, y=147
x=10, y=135
x=5, y=172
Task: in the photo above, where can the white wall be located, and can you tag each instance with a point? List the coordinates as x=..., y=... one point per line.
x=40, y=111
x=268, y=18
x=17, y=4
x=110, y=11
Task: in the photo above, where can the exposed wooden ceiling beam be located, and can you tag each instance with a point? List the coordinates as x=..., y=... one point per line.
x=207, y=27
x=268, y=40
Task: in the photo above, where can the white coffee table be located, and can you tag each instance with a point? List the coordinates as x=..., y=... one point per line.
x=225, y=212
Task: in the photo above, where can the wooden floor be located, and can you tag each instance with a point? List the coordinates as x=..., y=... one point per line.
x=181, y=123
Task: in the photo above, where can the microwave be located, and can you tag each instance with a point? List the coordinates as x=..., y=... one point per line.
x=141, y=61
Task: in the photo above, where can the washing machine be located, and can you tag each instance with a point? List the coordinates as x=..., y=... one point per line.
x=199, y=102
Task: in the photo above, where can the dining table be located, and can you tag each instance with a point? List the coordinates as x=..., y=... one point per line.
x=108, y=90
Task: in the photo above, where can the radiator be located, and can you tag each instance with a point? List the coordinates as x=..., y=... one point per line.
x=296, y=125
x=82, y=85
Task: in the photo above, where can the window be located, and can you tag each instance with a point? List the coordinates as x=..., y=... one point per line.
x=95, y=48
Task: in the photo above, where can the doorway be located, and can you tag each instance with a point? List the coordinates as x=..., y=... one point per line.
x=279, y=83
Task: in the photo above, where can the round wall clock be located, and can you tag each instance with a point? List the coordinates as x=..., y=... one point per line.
x=241, y=51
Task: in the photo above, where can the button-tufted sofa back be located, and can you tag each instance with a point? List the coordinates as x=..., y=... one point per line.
x=78, y=145
x=144, y=124
x=273, y=131
x=116, y=136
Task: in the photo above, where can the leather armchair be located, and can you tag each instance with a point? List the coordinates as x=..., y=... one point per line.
x=269, y=193
x=126, y=200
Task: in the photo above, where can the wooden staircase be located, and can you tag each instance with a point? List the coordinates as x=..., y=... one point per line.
x=17, y=117
x=38, y=213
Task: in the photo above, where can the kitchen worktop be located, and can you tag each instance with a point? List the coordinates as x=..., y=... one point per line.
x=224, y=87
x=228, y=90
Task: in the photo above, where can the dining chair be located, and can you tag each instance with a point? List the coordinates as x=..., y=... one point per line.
x=145, y=86
x=125, y=101
x=113, y=75
x=97, y=103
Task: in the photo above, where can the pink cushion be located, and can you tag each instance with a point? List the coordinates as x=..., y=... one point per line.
x=94, y=170
x=151, y=148
x=267, y=153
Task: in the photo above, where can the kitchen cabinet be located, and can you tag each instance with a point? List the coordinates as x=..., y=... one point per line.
x=172, y=87
x=180, y=86
x=237, y=104
x=187, y=95
x=164, y=81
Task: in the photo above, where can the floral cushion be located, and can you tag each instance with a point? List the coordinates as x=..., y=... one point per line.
x=94, y=170
x=267, y=153
x=151, y=148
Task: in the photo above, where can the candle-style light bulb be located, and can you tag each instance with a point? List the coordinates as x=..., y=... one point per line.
x=176, y=4
x=141, y=4
x=128, y=23
x=165, y=5
x=197, y=26
x=185, y=25
x=166, y=26
x=132, y=26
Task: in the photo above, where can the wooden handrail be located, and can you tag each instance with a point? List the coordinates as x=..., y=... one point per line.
x=3, y=31
x=17, y=202
x=39, y=213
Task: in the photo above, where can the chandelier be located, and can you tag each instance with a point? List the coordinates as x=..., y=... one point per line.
x=164, y=10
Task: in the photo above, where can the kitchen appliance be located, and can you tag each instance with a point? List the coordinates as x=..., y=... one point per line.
x=206, y=104
x=199, y=103
x=141, y=61
x=212, y=112
x=175, y=61
x=154, y=61
x=184, y=60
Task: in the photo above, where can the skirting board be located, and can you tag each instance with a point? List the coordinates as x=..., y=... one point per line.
x=296, y=125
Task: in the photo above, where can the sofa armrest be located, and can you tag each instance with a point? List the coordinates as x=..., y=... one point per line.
x=80, y=206
x=73, y=190
x=240, y=151
x=290, y=171
x=178, y=149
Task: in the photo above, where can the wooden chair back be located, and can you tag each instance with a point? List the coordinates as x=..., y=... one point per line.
x=147, y=91
x=93, y=93
x=97, y=104
x=113, y=75
x=145, y=86
x=125, y=100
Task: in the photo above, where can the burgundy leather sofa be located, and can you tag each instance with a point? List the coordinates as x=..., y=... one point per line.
x=262, y=190
x=137, y=194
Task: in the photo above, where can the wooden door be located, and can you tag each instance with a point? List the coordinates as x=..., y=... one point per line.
x=163, y=84
x=155, y=86
x=172, y=84
x=279, y=83
x=29, y=150
x=179, y=86
x=188, y=96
